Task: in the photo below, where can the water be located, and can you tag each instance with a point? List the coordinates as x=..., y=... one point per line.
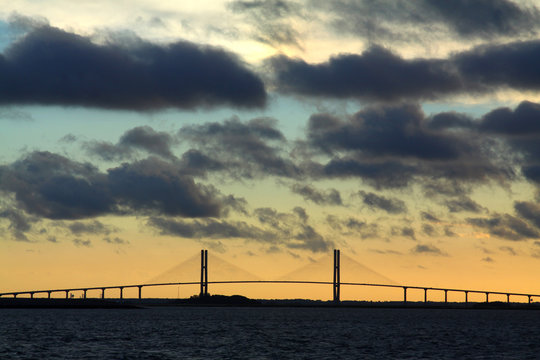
x=268, y=333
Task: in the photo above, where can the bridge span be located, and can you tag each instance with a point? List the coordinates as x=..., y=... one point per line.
x=336, y=286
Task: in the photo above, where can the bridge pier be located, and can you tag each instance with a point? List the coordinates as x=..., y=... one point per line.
x=508, y=298
x=140, y=291
x=103, y=293
x=487, y=297
x=337, y=279
x=121, y=293
x=67, y=294
x=15, y=296
x=204, y=273
x=446, y=296
x=405, y=294
x=31, y=295
x=466, y=297
x=48, y=294
x=425, y=295
x=84, y=293
x=530, y=299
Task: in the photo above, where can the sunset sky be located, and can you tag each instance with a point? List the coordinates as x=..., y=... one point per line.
x=135, y=133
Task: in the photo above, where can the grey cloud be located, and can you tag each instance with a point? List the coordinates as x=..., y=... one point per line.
x=429, y=217
x=247, y=149
x=79, y=242
x=277, y=229
x=127, y=73
x=463, y=203
x=404, y=231
x=271, y=20
x=401, y=20
x=451, y=120
x=352, y=226
x=529, y=211
x=427, y=249
x=52, y=186
x=139, y=138
x=328, y=197
x=378, y=74
x=19, y=223
x=376, y=202
x=91, y=227
x=506, y=227
x=116, y=240
x=429, y=230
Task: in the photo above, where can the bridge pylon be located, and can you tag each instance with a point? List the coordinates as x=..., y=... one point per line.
x=204, y=273
x=337, y=281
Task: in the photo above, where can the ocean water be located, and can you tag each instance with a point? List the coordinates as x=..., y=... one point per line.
x=268, y=333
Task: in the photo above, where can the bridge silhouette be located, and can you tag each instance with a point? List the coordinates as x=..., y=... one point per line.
x=336, y=286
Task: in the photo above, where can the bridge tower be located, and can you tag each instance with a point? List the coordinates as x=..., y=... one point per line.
x=337, y=280
x=204, y=273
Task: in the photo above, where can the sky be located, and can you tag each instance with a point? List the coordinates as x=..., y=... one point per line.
x=270, y=132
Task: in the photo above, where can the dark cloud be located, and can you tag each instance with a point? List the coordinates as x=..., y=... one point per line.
x=484, y=18
x=506, y=227
x=376, y=202
x=247, y=150
x=450, y=120
x=51, y=66
x=308, y=192
x=427, y=249
x=529, y=211
x=488, y=259
x=52, y=186
x=523, y=120
x=402, y=20
x=449, y=232
x=378, y=74
x=400, y=126
x=463, y=203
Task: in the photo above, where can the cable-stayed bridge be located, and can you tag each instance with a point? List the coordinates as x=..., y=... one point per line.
x=336, y=285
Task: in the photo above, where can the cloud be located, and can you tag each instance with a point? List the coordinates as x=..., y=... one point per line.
x=54, y=187
x=378, y=74
x=329, y=197
x=116, y=240
x=408, y=21
x=139, y=138
x=429, y=217
x=272, y=20
x=529, y=211
x=353, y=226
x=289, y=230
x=405, y=231
x=429, y=230
x=80, y=242
x=245, y=149
x=506, y=227
x=376, y=202
x=19, y=223
x=50, y=66
x=92, y=227
x=463, y=203
x=427, y=249
x=484, y=18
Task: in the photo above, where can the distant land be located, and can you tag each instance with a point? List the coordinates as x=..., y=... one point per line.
x=242, y=301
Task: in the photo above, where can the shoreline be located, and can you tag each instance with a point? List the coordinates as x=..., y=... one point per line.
x=241, y=301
